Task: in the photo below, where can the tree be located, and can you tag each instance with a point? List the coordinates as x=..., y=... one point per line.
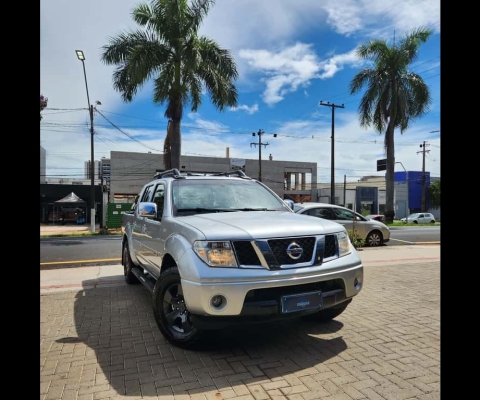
x=182, y=64
x=43, y=104
x=434, y=193
x=394, y=96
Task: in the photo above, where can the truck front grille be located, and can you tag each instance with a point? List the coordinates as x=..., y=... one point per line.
x=315, y=249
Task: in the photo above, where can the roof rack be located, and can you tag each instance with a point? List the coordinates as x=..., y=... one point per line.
x=237, y=172
x=171, y=172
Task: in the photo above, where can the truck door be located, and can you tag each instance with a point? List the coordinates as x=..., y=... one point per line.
x=153, y=242
x=139, y=227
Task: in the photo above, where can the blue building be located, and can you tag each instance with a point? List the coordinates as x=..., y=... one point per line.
x=408, y=192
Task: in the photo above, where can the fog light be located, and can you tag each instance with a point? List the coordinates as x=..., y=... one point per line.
x=355, y=282
x=217, y=301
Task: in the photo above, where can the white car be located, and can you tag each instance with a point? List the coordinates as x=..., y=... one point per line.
x=419, y=218
x=375, y=233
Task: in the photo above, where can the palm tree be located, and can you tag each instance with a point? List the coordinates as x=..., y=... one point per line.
x=182, y=64
x=394, y=96
x=434, y=192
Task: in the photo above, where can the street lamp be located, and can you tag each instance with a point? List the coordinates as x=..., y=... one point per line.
x=406, y=203
x=81, y=57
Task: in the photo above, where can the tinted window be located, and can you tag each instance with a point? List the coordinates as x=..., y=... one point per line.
x=342, y=214
x=159, y=198
x=320, y=213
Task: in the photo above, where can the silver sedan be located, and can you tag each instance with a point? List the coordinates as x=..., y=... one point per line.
x=375, y=233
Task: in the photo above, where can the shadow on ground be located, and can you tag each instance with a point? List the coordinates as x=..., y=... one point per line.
x=115, y=326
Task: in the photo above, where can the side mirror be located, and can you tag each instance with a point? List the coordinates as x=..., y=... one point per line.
x=147, y=210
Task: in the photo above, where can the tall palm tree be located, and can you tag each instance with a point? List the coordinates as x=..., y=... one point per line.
x=434, y=192
x=394, y=95
x=182, y=64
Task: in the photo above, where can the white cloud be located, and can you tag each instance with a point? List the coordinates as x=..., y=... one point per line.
x=351, y=16
x=286, y=70
x=293, y=67
x=249, y=109
x=202, y=125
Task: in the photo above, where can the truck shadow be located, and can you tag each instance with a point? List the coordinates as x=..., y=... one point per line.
x=115, y=328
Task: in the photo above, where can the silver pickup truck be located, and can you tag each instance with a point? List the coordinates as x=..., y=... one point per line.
x=220, y=249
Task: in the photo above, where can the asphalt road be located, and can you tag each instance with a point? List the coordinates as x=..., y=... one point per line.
x=413, y=234
x=64, y=252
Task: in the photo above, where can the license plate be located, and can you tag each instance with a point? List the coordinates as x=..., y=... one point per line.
x=301, y=302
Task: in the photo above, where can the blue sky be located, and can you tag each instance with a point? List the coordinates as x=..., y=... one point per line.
x=290, y=55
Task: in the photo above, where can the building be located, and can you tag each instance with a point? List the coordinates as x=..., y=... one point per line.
x=96, y=169
x=408, y=193
x=130, y=171
x=105, y=172
x=123, y=175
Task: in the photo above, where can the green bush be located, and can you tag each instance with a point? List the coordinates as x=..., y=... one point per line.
x=356, y=240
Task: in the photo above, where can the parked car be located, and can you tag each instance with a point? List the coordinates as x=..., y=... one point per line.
x=375, y=233
x=376, y=217
x=419, y=218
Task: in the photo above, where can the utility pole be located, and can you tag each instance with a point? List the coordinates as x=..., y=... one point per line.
x=332, y=178
x=344, y=190
x=423, y=205
x=259, y=144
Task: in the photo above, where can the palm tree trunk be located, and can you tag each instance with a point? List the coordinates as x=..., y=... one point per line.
x=167, y=147
x=175, y=144
x=390, y=177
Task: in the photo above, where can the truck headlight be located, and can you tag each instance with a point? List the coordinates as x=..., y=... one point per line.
x=343, y=244
x=216, y=254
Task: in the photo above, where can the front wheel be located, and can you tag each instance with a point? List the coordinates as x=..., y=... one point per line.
x=374, y=239
x=171, y=313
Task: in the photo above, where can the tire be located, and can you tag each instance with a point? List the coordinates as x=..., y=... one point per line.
x=328, y=314
x=130, y=278
x=374, y=239
x=415, y=222
x=432, y=221
x=171, y=314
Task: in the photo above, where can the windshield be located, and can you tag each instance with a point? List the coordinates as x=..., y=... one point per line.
x=222, y=195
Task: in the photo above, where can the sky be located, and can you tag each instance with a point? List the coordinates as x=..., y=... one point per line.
x=291, y=56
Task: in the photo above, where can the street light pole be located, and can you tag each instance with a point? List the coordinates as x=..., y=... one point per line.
x=81, y=57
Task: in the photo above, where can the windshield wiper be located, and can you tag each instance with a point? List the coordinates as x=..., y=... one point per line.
x=252, y=209
x=205, y=210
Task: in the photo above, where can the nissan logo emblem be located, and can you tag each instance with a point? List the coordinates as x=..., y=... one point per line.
x=294, y=251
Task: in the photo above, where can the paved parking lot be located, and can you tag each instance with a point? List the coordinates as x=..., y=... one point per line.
x=100, y=343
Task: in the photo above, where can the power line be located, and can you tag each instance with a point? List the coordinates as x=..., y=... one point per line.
x=126, y=134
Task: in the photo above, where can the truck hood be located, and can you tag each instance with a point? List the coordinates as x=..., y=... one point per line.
x=258, y=225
